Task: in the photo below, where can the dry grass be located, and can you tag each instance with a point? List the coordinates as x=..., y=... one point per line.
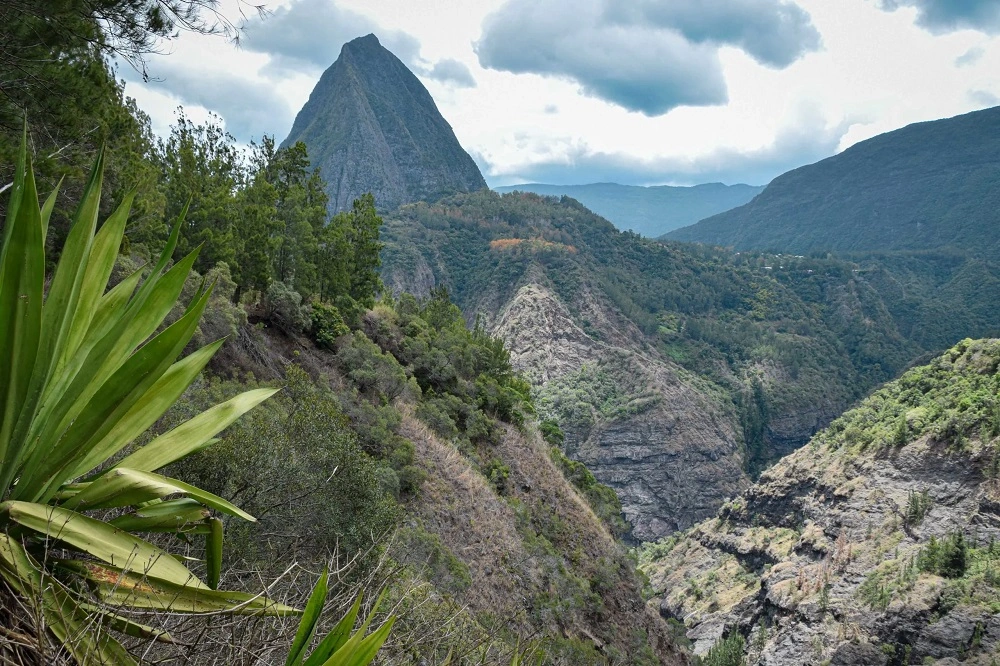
x=211, y=639
x=459, y=505
x=482, y=529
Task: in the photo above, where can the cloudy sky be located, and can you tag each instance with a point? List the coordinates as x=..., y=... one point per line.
x=630, y=91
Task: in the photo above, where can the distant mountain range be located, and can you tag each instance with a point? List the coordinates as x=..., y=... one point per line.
x=371, y=126
x=926, y=186
x=649, y=211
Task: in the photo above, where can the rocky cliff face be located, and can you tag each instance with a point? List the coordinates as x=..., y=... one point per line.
x=667, y=442
x=875, y=544
x=647, y=429
x=371, y=126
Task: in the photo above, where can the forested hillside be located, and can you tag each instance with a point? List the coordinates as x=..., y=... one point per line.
x=927, y=186
x=614, y=329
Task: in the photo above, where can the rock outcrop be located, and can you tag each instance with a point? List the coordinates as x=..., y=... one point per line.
x=668, y=449
x=875, y=544
x=371, y=126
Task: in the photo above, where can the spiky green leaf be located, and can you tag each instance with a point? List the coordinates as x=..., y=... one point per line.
x=191, y=435
x=100, y=540
x=126, y=589
x=122, y=486
x=337, y=637
x=176, y=515
x=22, y=276
x=307, y=625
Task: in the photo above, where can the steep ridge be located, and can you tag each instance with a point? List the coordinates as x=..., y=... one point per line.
x=649, y=211
x=507, y=546
x=928, y=185
x=875, y=544
x=371, y=126
x=675, y=371
x=496, y=551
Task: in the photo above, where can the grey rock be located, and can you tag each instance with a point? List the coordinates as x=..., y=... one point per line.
x=858, y=654
x=671, y=463
x=371, y=126
x=819, y=553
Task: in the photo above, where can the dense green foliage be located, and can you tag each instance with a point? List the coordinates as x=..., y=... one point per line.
x=265, y=216
x=55, y=70
x=953, y=399
x=298, y=464
x=726, y=652
x=947, y=557
x=87, y=370
x=926, y=186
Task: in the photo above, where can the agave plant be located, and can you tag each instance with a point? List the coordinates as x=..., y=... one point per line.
x=83, y=373
x=342, y=646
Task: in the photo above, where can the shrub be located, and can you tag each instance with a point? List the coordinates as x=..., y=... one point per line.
x=947, y=557
x=283, y=306
x=374, y=372
x=552, y=433
x=327, y=324
x=497, y=472
x=297, y=465
x=411, y=478
x=726, y=652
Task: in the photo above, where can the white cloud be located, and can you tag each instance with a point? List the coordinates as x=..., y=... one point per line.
x=876, y=71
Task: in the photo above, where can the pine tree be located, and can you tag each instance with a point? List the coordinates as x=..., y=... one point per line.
x=201, y=171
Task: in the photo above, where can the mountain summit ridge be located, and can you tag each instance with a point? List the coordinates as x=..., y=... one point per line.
x=926, y=186
x=651, y=210
x=371, y=126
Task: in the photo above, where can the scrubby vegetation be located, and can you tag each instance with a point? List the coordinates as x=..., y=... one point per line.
x=952, y=399
x=727, y=652
x=887, y=518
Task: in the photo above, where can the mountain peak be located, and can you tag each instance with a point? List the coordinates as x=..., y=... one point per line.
x=371, y=126
x=369, y=41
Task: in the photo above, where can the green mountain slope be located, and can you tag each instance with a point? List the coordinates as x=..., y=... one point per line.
x=371, y=126
x=926, y=186
x=404, y=447
x=875, y=544
x=649, y=211
x=677, y=370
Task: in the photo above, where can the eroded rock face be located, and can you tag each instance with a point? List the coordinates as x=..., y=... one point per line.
x=667, y=448
x=824, y=552
x=371, y=126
